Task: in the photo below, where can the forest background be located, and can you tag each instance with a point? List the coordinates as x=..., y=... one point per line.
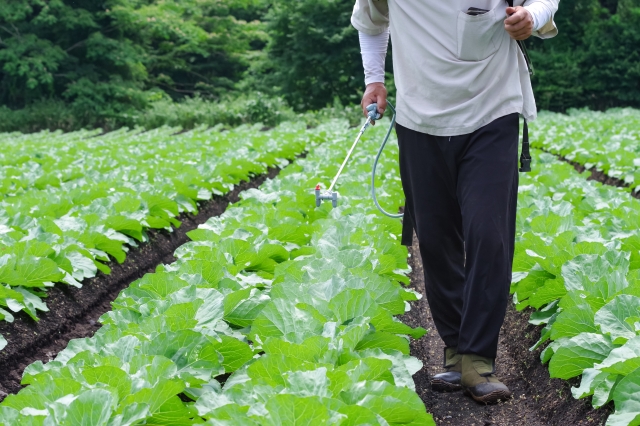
x=110, y=63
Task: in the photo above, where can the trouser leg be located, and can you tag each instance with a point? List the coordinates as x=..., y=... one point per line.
x=487, y=192
x=461, y=195
x=434, y=212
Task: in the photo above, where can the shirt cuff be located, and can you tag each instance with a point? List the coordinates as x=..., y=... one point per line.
x=540, y=13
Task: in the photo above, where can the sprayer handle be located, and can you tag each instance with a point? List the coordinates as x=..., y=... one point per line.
x=373, y=112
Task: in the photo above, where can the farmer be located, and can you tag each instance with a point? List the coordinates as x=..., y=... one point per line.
x=462, y=82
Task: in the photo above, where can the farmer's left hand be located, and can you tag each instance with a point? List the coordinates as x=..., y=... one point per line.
x=519, y=23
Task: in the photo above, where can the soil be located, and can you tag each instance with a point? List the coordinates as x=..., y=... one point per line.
x=597, y=175
x=537, y=399
x=74, y=312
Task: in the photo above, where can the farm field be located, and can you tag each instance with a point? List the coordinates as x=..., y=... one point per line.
x=71, y=203
x=607, y=141
x=578, y=262
x=315, y=299
x=278, y=304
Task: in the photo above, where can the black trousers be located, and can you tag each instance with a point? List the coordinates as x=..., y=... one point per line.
x=461, y=196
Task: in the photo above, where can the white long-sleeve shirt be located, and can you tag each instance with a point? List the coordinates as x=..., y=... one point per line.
x=454, y=72
x=374, y=47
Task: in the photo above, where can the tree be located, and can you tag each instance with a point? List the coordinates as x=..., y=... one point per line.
x=594, y=60
x=313, y=53
x=105, y=59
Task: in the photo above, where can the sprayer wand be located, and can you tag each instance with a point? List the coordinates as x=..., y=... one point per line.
x=332, y=195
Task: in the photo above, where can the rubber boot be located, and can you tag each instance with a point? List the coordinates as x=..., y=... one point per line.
x=480, y=382
x=449, y=381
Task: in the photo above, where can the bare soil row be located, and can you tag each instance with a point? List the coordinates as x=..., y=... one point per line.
x=596, y=174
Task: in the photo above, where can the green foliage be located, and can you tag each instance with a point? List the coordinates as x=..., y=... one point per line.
x=313, y=53
x=239, y=330
x=594, y=61
x=106, y=59
x=189, y=113
x=607, y=141
x=578, y=258
x=245, y=109
x=70, y=208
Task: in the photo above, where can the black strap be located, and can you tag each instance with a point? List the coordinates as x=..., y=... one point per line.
x=407, y=226
x=523, y=48
x=525, y=155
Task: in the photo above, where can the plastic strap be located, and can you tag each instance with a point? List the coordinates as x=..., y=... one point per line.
x=523, y=49
x=525, y=155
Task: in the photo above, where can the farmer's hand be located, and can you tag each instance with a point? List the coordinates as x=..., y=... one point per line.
x=519, y=23
x=375, y=93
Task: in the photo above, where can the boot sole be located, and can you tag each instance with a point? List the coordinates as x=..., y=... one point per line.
x=444, y=386
x=490, y=398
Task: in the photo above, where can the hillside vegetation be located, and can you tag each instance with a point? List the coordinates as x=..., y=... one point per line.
x=71, y=64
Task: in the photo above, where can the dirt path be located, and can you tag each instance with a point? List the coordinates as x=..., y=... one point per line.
x=73, y=312
x=538, y=400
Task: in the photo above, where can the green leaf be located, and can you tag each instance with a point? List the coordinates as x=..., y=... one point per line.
x=602, y=391
x=622, y=360
x=358, y=416
x=271, y=368
x=573, y=321
x=591, y=378
x=632, y=245
x=42, y=391
x=385, y=341
x=32, y=303
x=231, y=415
x=82, y=266
x=111, y=376
x=551, y=224
x=130, y=227
x=243, y=306
x=360, y=370
x=300, y=235
x=293, y=410
x=626, y=399
x=612, y=317
x=384, y=321
x=579, y=353
x=602, y=276
x=34, y=272
x=9, y=416
x=397, y=405
x=172, y=412
x=92, y=408
x=161, y=284
x=131, y=414
x=352, y=303
x=309, y=383
x=403, y=366
x=211, y=272
x=309, y=350
x=234, y=353
x=280, y=319
x=161, y=393
x=551, y=290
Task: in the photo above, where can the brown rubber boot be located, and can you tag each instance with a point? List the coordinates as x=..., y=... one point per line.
x=479, y=381
x=449, y=381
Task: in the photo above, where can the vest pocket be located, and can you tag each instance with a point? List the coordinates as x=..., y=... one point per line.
x=479, y=36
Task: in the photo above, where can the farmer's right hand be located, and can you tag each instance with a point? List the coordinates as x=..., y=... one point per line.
x=375, y=93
